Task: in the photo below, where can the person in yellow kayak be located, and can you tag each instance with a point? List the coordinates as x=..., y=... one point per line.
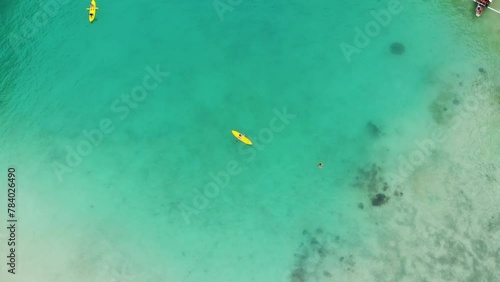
x=91, y=7
x=92, y=10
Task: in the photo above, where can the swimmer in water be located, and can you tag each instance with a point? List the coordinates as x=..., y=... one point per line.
x=320, y=165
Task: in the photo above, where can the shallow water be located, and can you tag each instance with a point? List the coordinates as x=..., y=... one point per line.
x=163, y=192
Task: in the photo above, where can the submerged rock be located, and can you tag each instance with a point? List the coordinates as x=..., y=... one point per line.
x=379, y=199
x=397, y=48
x=314, y=241
x=322, y=252
x=373, y=129
x=299, y=275
x=438, y=112
x=361, y=206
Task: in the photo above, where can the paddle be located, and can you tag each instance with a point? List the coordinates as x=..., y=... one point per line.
x=493, y=9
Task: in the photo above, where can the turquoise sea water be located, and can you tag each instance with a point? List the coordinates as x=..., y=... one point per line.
x=138, y=202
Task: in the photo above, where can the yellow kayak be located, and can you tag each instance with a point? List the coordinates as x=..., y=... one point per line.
x=92, y=10
x=241, y=137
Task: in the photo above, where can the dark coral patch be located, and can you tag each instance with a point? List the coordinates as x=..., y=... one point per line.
x=373, y=129
x=299, y=275
x=397, y=48
x=379, y=199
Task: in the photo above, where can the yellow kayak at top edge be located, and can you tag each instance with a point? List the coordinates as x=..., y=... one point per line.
x=92, y=10
x=241, y=137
